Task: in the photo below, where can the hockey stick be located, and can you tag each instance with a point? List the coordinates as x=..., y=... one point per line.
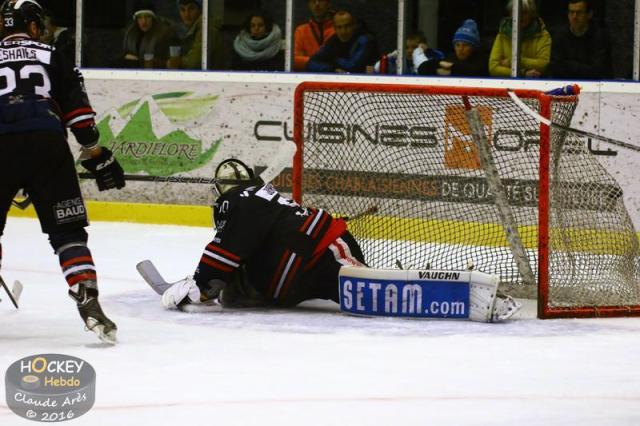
x=501, y=201
x=277, y=163
x=524, y=107
x=14, y=294
x=150, y=273
x=369, y=210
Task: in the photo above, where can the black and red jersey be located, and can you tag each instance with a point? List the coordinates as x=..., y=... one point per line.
x=274, y=238
x=41, y=90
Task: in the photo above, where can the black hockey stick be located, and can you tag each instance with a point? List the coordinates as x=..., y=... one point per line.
x=549, y=123
x=14, y=295
x=159, y=179
x=366, y=212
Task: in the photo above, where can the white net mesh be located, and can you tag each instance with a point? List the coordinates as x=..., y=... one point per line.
x=411, y=157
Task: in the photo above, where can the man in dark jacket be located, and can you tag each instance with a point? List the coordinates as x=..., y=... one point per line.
x=580, y=50
x=349, y=50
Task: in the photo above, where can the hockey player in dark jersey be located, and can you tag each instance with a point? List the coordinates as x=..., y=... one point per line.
x=267, y=249
x=40, y=95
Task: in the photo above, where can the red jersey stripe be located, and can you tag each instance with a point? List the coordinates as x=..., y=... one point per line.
x=306, y=223
x=276, y=277
x=320, y=225
x=84, y=123
x=287, y=283
x=79, y=259
x=78, y=111
x=223, y=252
x=81, y=277
x=214, y=264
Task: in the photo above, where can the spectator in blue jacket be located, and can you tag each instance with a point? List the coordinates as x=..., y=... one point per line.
x=466, y=60
x=350, y=50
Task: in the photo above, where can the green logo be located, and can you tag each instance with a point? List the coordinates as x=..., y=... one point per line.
x=155, y=134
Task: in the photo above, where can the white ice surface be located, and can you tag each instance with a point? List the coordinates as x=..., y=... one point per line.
x=308, y=366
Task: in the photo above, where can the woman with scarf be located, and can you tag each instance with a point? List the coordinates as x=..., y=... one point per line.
x=535, y=45
x=259, y=45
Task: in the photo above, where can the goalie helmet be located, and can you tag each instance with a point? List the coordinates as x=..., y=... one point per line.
x=18, y=14
x=232, y=173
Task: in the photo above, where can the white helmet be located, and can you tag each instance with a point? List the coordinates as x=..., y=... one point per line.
x=232, y=173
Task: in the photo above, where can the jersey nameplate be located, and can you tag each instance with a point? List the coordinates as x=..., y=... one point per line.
x=20, y=54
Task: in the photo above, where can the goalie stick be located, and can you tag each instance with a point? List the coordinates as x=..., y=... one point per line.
x=150, y=273
x=524, y=107
x=14, y=294
x=502, y=204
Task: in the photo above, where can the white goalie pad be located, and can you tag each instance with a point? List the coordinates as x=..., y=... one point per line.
x=483, y=289
x=422, y=294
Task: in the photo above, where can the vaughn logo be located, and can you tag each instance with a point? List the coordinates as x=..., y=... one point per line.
x=50, y=387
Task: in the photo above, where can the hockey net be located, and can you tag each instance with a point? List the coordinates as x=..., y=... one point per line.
x=404, y=156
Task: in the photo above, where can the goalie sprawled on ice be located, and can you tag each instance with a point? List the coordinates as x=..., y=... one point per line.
x=270, y=251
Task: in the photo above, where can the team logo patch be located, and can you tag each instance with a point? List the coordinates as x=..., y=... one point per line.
x=69, y=211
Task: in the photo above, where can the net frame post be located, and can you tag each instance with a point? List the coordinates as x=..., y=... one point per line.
x=543, y=210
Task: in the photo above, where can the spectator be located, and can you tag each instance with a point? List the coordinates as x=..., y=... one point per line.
x=59, y=37
x=310, y=36
x=259, y=45
x=147, y=38
x=580, y=49
x=619, y=24
x=535, y=44
x=190, y=56
x=350, y=50
x=467, y=60
x=414, y=41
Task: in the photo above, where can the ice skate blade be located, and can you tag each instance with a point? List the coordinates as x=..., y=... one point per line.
x=109, y=338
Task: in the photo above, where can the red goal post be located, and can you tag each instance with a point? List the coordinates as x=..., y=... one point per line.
x=408, y=151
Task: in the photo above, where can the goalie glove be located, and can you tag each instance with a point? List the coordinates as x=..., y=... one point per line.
x=106, y=170
x=181, y=292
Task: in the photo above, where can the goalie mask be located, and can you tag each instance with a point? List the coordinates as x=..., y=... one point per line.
x=18, y=14
x=232, y=173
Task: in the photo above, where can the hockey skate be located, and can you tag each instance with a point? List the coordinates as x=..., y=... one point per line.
x=505, y=308
x=86, y=297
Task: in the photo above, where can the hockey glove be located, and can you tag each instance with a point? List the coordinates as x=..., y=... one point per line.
x=183, y=291
x=106, y=170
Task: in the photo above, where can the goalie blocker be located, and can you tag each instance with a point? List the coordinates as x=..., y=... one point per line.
x=423, y=294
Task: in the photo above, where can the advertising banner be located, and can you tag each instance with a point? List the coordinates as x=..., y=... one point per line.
x=176, y=132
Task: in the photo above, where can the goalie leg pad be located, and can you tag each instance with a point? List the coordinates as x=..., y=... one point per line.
x=482, y=299
x=423, y=294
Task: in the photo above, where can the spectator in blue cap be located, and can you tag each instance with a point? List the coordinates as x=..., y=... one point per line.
x=466, y=60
